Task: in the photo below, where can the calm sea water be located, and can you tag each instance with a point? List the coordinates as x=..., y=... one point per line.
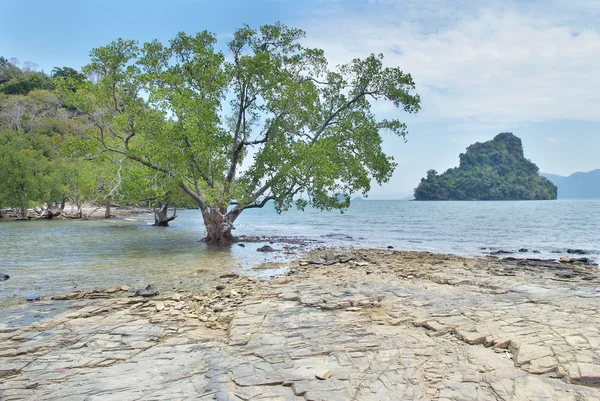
x=46, y=257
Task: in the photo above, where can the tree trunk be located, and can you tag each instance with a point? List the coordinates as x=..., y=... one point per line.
x=107, y=211
x=161, y=215
x=52, y=212
x=218, y=225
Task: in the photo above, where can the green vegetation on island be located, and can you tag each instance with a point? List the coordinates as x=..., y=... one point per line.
x=492, y=170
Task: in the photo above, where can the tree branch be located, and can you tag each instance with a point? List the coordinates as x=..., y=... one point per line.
x=201, y=202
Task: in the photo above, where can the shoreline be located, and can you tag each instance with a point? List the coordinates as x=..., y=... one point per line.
x=363, y=323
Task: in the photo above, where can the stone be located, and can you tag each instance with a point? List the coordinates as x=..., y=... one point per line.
x=31, y=298
x=159, y=306
x=564, y=259
x=576, y=251
x=323, y=374
x=470, y=337
x=176, y=297
x=112, y=290
x=149, y=291
x=124, y=288
x=220, y=287
x=266, y=248
x=278, y=341
x=4, y=277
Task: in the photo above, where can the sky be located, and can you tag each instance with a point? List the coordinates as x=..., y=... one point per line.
x=529, y=67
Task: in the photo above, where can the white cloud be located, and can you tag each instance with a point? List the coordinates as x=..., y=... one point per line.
x=508, y=63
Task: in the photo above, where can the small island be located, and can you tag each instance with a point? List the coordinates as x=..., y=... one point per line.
x=492, y=170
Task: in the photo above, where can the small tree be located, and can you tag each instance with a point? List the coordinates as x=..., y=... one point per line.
x=269, y=122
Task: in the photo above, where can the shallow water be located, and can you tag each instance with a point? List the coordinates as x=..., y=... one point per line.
x=447, y=227
x=46, y=257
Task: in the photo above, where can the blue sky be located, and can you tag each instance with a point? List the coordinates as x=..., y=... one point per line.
x=529, y=67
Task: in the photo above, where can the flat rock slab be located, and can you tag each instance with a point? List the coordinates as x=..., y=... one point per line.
x=404, y=326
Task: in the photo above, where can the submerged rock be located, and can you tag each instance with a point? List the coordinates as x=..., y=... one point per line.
x=149, y=291
x=31, y=298
x=266, y=248
x=577, y=251
x=500, y=252
x=4, y=277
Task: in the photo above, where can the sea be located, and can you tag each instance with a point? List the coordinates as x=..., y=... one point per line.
x=60, y=256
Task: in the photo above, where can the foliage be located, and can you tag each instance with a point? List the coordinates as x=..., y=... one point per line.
x=24, y=166
x=8, y=70
x=269, y=121
x=36, y=136
x=26, y=82
x=493, y=170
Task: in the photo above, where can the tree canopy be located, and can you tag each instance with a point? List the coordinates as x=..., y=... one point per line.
x=268, y=120
x=492, y=170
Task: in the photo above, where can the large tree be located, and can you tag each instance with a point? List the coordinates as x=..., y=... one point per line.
x=268, y=120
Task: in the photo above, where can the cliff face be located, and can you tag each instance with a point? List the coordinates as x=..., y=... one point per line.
x=492, y=170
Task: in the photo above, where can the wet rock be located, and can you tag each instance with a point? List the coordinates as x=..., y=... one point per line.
x=390, y=247
x=576, y=252
x=31, y=298
x=4, y=277
x=266, y=248
x=523, y=250
x=229, y=275
x=149, y=291
x=241, y=245
x=536, y=251
x=500, y=252
x=220, y=287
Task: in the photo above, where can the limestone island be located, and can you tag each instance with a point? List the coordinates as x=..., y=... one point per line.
x=492, y=170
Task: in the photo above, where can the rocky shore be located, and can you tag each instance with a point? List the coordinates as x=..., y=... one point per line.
x=340, y=325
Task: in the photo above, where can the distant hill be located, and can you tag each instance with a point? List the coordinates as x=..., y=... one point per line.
x=492, y=170
x=577, y=185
